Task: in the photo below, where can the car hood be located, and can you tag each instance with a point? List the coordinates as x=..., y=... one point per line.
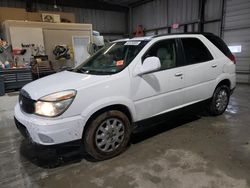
x=61, y=81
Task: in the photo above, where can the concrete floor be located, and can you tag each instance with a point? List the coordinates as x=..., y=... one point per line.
x=191, y=152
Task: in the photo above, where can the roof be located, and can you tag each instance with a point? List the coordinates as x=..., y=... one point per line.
x=186, y=33
x=147, y=38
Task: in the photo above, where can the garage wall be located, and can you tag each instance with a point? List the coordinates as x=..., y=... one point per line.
x=236, y=31
x=212, y=16
x=182, y=11
x=111, y=24
x=158, y=16
x=151, y=15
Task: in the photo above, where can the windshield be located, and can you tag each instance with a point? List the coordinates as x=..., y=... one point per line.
x=112, y=58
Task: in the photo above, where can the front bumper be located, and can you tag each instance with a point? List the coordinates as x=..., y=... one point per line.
x=44, y=131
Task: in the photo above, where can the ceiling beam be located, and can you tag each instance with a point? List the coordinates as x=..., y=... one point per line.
x=88, y=4
x=138, y=3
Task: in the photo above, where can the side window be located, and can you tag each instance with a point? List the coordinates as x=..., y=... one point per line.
x=165, y=51
x=219, y=43
x=195, y=51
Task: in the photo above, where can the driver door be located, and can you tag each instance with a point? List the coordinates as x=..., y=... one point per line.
x=161, y=91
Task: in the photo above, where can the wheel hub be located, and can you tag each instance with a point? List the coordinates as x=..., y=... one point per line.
x=109, y=135
x=222, y=100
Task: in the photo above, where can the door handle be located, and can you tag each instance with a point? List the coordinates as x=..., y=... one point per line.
x=178, y=74
x=213, y=66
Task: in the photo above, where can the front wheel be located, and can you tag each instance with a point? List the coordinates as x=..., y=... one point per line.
x=107, y=135
x=220, y=100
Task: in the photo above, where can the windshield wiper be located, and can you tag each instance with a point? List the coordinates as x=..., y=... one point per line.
x=86, y=70
x=82, y=70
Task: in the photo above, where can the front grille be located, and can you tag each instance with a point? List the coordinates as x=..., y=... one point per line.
x=26, y=103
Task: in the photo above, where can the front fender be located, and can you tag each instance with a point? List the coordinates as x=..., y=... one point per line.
x=108, y=101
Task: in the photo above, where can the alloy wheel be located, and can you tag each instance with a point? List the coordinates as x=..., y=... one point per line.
x=109, y=135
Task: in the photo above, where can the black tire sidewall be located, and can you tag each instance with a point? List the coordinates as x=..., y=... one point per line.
x=89, y=135
x=212, y=108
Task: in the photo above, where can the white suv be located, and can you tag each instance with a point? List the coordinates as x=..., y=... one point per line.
x=100, y=101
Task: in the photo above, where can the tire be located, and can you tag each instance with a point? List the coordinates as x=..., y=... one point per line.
x=219, y=101
x=107, y=135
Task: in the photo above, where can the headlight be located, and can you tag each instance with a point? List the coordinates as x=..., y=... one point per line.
x=54, y=104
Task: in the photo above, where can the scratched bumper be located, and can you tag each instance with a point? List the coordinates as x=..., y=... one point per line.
x=51, y=131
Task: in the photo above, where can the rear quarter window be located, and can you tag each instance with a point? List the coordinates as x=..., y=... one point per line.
x=195, y=51
x=220, y=44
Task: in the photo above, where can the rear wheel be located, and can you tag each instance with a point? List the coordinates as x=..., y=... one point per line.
x=107, y=135
x=220, y=100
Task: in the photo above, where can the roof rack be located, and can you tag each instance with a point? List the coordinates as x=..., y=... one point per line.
x=186, y=33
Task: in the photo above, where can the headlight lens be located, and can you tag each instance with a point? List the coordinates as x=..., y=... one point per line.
x=54, y=104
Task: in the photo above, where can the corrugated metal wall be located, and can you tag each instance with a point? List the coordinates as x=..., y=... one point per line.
x=16, y=4
x=113, y=24
x=236, y=31
x=213, y=11
x=157, y=15
x=151, y=15
x=183, y=11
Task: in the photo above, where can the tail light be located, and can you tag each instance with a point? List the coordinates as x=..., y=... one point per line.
x=232, y=58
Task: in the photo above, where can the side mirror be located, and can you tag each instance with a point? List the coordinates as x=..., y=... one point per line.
x=150, y=64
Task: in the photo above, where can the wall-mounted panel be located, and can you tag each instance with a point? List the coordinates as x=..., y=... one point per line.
x=240, y=38
x=213, y=27
x=237, y=14
x=19, y=36
x=150, y=15
x=162, y=13
x=103, y=21
x=236, y=31
x=183, y=11
x=213, y=9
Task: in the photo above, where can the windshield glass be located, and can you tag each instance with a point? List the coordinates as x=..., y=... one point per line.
x=112, y=58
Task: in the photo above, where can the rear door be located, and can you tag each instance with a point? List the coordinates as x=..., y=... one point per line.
x=200, y=75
